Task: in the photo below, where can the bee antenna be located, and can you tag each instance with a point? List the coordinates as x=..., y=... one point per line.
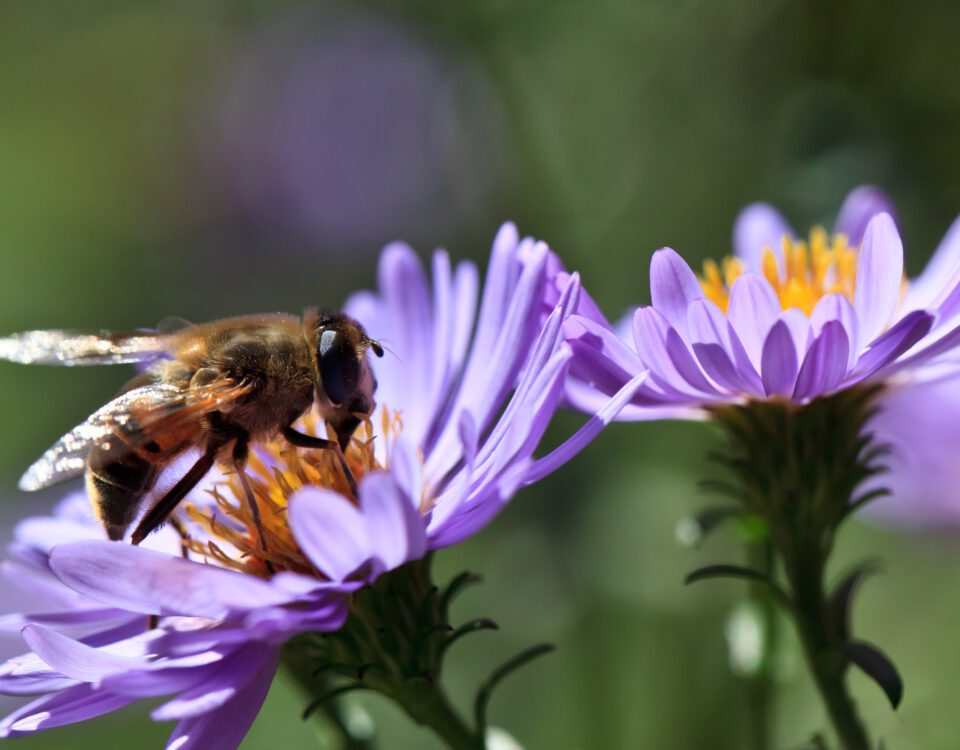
x=383, y=348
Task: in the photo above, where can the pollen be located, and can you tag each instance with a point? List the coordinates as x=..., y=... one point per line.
x=225, y=532
x=810, y=269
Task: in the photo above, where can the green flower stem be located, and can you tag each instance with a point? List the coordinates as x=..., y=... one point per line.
x=426, y=704
x=392, y=643
x=760, y=686
x=800, y=468
x=827, y=663
x=331, y=712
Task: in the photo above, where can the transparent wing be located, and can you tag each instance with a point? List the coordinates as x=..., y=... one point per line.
x=127, y=423
x=74, y=348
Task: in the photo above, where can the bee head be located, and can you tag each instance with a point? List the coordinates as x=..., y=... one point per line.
x=344, y=379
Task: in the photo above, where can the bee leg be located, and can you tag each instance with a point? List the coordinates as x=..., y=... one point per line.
x=184, y=536
x=317, y=443
x=159, y=512
x=240, y=452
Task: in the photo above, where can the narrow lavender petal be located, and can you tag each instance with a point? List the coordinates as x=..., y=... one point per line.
x=405, y=294
x=406, y=467
x=496, y=472
x=933, y=347
x=46, y=532
x=947, y=303
x=497, y=354
x=941, y=268
x=513, y=439
x=74, y=619
x=879, y=276
x=861, y=205
x=525, y=418
x=594, y=368
x=719, y=350
x=466, y=521
x=800, y=330
x=582, y=437
x=673, y=286
x=166, y=676
x=466, y=286
x=753, y=309
x=141, y=580
x=837, y=307
x=718, y=365
x=330, y=531
x=605, y=341
x=759, y=226
x=921, y=423
x=550, y=338
x=73, y=520
x=231, y=677
x=778, y=361
x=395, y=528
x=35, y=684
x=661, y=349
x=498, y=285
x=454, y=308
x=28, y=674
x=67, y=707
x=679, y=352
x=225, y=728
x=646, y=406
x=825, y=364
x=72, y=658
x=895, y=342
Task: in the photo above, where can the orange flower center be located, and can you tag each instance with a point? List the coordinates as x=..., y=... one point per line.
x=811, y=269
x=276, y=471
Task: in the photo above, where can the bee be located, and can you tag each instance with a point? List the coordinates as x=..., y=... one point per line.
x=214, y=387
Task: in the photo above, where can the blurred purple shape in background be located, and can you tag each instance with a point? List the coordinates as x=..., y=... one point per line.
x=347, y=128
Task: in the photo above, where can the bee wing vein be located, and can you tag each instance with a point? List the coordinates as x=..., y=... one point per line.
x=71, y=348
x=67, y=457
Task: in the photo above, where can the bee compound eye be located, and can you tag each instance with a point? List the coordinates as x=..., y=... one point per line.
x=339, y=366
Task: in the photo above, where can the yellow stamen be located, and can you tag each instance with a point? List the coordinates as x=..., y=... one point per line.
x=276, y=471
x=810, y=270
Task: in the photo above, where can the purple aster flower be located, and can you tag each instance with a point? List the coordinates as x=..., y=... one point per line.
x=783, y=318
x=462, y=407
x=791, y=347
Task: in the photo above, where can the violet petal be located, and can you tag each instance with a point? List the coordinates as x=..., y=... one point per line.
x=225, y=727
x=673, y=286
x=779, y=361
x=59, y=709
x=330, y=531
x=395, y=528
x=825, y=364
x=759, y=226
x=837, y=307
x=141, y=580
x=904, y=334
x=861, y=205
x=74, y=659
x=879, y=276
x=753, y=309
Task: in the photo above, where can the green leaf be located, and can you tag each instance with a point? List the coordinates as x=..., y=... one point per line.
x=508, y=667
x=741, y=572
x=317, y=703
x=474, y=626
x=876, y=665
x=840, y=601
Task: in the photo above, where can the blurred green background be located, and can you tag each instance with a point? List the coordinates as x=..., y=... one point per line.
x=210, y=158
